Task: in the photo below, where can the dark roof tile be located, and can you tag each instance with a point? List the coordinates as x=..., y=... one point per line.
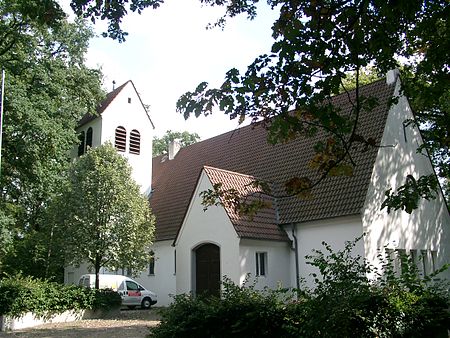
x=246, y=151
x=264, y=223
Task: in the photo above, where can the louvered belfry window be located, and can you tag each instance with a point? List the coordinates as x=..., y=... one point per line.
x=135, y=142
x=121, y=139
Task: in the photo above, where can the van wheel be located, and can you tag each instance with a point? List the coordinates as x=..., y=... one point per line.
x=146, y=303
x=131, y=307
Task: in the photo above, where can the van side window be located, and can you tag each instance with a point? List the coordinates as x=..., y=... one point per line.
x=121, y=287
x=132, y=286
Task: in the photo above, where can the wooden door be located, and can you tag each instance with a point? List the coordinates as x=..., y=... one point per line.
x=207, y=259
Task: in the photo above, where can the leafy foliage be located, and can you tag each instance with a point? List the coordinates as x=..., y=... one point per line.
x=243, y=312
x=161, y=144
x=19, y=295
x=49, y=13
x=316, y=45
x=407, y=196
x=113, y=11
x=105, y=219
x=47, y=90
x=243, y=204
x=366, y=75
x=343, y=303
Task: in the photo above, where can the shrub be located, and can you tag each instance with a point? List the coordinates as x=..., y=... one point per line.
x=242, y=312
x=343, y=303
x=19, y=295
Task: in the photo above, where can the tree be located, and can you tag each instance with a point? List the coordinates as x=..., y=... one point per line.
x=317, y=43
x=366, y=76
x=161, y=145
x=48, y=89
x=50, y=14
x=105, y=219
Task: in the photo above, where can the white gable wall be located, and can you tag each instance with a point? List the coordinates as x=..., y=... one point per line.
x=427, y=228
x=201, y=227
x=131, y=116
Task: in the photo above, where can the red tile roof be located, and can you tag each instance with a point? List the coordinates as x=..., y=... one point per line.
x=246, y=151
x=264, y=224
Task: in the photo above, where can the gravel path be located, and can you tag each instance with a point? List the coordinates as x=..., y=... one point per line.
x=131, y=323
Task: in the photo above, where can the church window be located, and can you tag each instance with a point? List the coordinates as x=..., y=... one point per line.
x=135, y=142
x=120, y=139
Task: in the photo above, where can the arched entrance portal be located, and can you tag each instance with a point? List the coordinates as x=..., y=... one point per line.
x=207, y=266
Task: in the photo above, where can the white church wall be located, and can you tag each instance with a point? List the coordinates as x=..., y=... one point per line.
x=163, y=281
x=334, y=231
x=426, y=230
x=277, y=265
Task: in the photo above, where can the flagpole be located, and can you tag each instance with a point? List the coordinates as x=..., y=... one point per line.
x=1, y=118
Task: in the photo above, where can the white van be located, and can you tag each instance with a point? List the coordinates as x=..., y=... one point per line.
x=133, y=294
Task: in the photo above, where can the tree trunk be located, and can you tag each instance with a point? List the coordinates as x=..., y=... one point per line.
x=97, y=272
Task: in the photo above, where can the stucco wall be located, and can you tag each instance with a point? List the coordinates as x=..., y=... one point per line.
x=427, y=228
x=278, y=273
x=131, y=116
x=163, y=281
x=335, y=231
x=200, y=227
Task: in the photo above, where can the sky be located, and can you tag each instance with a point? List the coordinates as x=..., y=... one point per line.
x=169, y=51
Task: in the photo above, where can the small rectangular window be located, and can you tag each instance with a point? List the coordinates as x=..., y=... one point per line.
x=151, y=264
x=433, y=260
x=425, y=263
x=413, y=254
x=413, y=258
x=390, y=256
x=402, y=261
x=261, y=263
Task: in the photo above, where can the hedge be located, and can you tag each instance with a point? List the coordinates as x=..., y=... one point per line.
x=343, y=303
x=19, y=295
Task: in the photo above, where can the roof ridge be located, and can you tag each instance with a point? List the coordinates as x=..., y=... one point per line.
x=228, y=171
